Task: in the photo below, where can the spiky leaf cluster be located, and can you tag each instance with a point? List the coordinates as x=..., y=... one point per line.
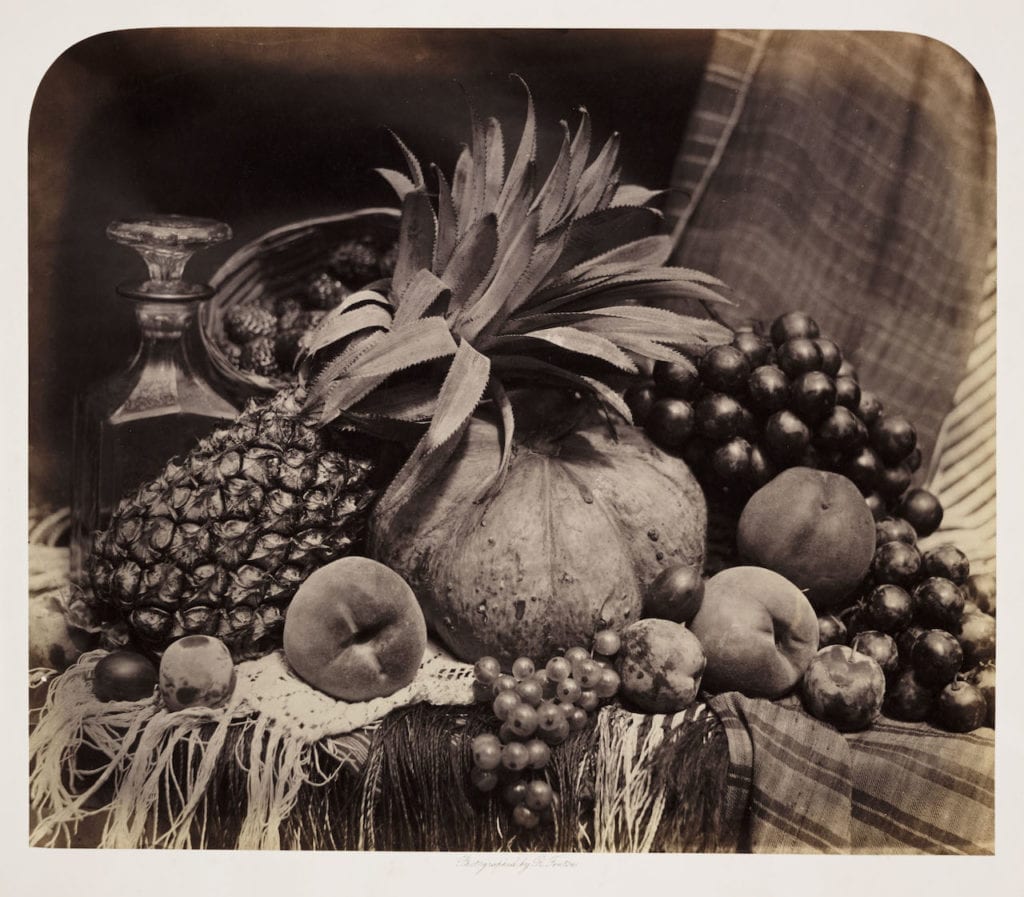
x=514, y=279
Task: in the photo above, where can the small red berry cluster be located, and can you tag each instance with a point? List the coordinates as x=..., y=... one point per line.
x=537, y=709
x=746, y=411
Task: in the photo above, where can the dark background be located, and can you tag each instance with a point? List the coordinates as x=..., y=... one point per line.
x=260, y=127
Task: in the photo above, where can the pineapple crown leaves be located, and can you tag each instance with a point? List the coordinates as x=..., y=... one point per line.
x=503, y=281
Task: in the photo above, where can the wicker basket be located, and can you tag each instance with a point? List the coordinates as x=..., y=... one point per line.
x=276, y=265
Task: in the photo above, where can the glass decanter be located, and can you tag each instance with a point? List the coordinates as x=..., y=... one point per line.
x=127, y=427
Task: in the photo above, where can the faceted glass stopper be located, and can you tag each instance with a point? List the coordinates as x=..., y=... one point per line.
x=166, y=243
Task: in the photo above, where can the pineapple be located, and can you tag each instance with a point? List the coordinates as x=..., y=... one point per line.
x=218, y=543
x=496, y=283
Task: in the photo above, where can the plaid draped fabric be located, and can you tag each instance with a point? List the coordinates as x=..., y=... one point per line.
x=797, y=786
x=850, y=174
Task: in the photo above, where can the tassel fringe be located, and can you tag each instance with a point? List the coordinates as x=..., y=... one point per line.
x=227, y=778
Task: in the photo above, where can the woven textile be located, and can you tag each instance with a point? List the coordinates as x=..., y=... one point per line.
x=851, y=175
x=797, y=786
x=963, y=470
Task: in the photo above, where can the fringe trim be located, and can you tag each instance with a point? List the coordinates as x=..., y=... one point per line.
x=157, y=776
x=226, y=778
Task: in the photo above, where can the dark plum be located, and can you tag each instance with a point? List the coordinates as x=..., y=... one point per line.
x=977, y=636
x=670, y=423
x=831, y=631
x=894, y=529
x=938, y=602
x=676, y=380
x=981, y=589
x=842, y=431
x=948, y=561
x=936, y=657
x=876, y=504
x=768, y=388
x=893, y=437
x=879, y=646
x=757, y=350
x=792, y=325
x=862, y=468
x=798, y=356
x=847, y=392
x=812, y=395
x=984, y=679
x=640, y=397
x=731, y=461
x=720, y=417
x=890, y=608
x=725, y=369
x=960, y=707
x=761, y=468
x=923, y=511
x=896, y=563
x=831, y=357
x=869, y=408
x=908, y=699
x=913, y=460
x=894, y=481
x=786, y=436
x=905, y=639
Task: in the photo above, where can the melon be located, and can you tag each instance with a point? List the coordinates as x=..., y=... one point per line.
x=582, y=525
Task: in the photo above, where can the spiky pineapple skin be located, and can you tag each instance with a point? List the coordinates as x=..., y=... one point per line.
x=220, y=541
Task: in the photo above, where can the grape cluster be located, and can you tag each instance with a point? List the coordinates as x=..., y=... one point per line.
x=929, y=624
x=537, y=709
x=748, y=410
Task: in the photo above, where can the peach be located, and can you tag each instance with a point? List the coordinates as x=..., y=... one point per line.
x=758, y=630
x=814, y=528
x=355, y=630
x=660, y=665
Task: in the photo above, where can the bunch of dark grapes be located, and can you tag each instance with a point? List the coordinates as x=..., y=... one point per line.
x=930, y=625
x=746, y=411
x=535, y=710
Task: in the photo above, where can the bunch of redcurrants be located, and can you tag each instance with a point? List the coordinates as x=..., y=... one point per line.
x=537, y=709
x=930, y=625
x=745, y=411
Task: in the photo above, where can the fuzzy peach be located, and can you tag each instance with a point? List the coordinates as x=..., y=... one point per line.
x=355, y=630
x=758, y=631
x=814, y=528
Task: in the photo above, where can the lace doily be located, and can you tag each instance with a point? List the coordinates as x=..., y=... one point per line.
x=271, y=688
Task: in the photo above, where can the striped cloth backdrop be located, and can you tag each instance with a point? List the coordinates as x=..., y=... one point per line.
x=852, y=175
x=963, y=470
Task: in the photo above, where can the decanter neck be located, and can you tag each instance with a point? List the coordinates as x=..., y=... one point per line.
x=162, y=321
